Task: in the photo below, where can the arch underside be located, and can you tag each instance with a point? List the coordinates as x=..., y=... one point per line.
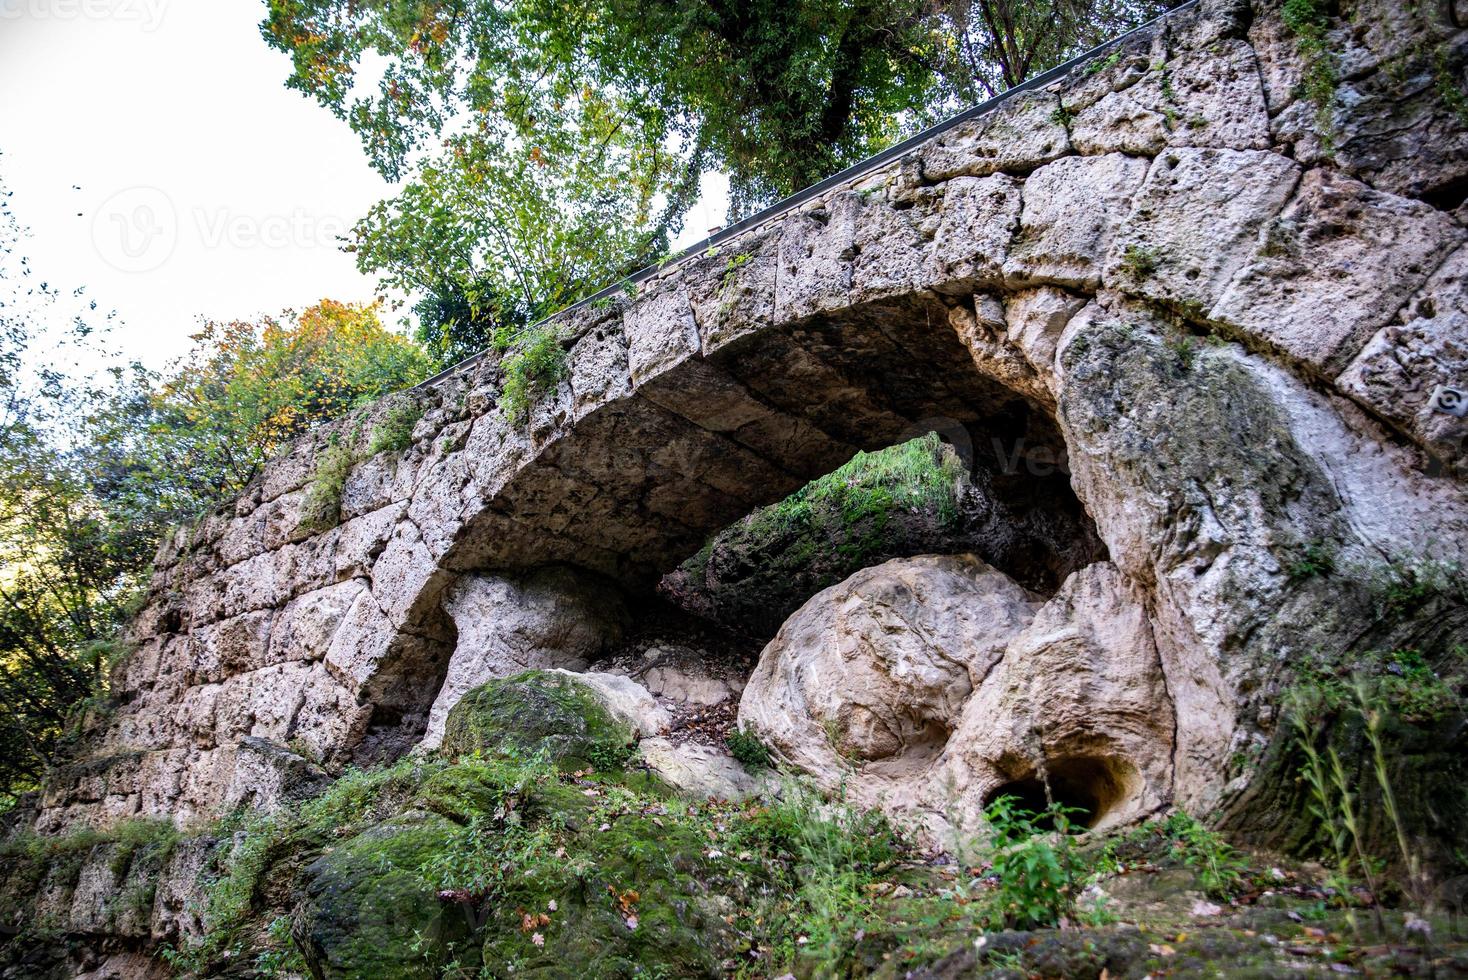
x=641, y=483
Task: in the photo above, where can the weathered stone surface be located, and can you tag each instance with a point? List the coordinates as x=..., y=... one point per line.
x=1400, y=368
x=1208, y=97
x=660, y=330
x=817, y=248
x=1195, y=222
x=556, y=617
x=1080, y=696
x=977, y=220
x=1021, y=135
x=871, y=674
x=1333, y=268
x=1035, y=319
x=733, y=290
x=1072, y=208
x=700, y=771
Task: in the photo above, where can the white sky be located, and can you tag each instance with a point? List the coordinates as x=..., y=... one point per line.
x=160, y=162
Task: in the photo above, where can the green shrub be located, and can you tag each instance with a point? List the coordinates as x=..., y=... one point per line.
x=394, y=432
x=1219, y=867
x=1139, y=261
x=321, y=509
x=1309, y=21
x=535, y=364
x=1315, y=560
x=1036, y=868
x=748, y=749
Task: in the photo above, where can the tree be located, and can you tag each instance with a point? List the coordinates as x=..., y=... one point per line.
x=550, y=147
x=993, y=45
x=64, y=567
x=202, y=431
x=93, y=473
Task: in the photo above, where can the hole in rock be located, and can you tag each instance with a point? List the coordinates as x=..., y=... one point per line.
x=1093, y=786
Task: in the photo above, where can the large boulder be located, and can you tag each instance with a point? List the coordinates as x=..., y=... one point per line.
x=538, y=713
x=554, y=617
x=871, y=675
x=1080, y=702
x=920, y=497
x=369, y=912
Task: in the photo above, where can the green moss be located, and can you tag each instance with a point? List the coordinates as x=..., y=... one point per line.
x=535, y=364
x=394, y=432
x=370, y=913
x=902, y=500
x=321, y=508
x=538, y=714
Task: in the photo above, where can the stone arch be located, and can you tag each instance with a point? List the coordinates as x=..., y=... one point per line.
x=637, y=483
x=1232, y=338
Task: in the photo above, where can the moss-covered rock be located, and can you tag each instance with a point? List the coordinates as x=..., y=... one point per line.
x=538, y=713
x=915, y=498
x=369, y=912
x=639, y=897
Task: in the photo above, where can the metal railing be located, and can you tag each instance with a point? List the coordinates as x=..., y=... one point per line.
x=852, y=172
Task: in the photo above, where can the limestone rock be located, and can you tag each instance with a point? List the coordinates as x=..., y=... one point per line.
x=977, y=219
x=1400, y=368
x=1334, y=268
x=1195, y=222
x=554, y=617
x=1024, y=133
x=875, y=671
x=700, y=771
x=1072, y=208
x=629, y=703
x=1080, y=699
x=1208, y=97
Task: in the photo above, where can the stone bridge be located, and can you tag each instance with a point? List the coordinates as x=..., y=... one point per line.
x=1228, y=307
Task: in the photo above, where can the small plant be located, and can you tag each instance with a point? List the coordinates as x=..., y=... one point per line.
x=1139, y=261
x=532, y=369
x=1333, y=805
x=1448, y=89
x=1315, y=560
x=1102, y=64
x=281, y=959
x=1406, y=583
x=1309, y=22
x=748, y=749
x=1219, y=867
x=1371, y=710
x=321, y=508
x=1185, y=349
x=395, y=432
x=734, y=264
x=1063, y=116
x=1036, y=869
x=608, y=757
